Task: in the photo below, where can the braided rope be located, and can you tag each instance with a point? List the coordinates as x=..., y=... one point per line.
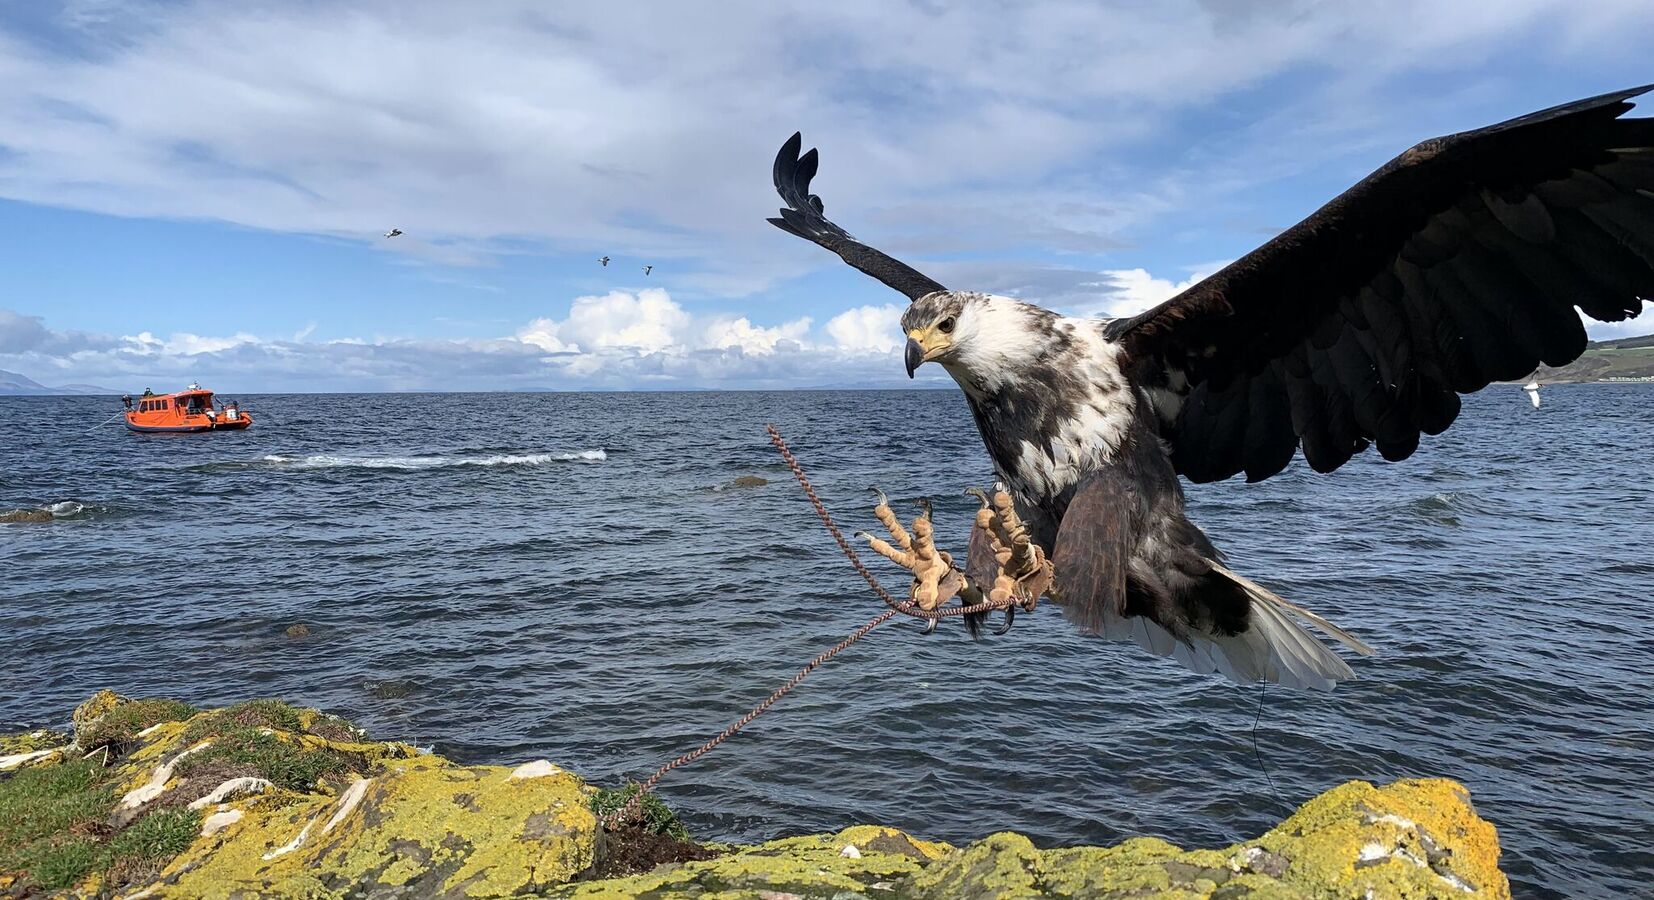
x=906, y=607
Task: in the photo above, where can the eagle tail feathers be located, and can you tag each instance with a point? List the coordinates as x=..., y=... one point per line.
x=1290, y=655
x=1275, y=647
x=1259, y=592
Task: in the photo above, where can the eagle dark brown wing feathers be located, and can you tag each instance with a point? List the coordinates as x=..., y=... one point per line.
x=1457, y=264
x=803, y=217
x=1093, y=550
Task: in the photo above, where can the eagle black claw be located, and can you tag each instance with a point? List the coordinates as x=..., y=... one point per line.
x=930, y=627
x=1010, y=616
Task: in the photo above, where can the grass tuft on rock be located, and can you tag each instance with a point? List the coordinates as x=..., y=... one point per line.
x=54, y=829
x=653, y=816
x=285, y=763
x=250, y=714
x=120, y=726
x=56, y=865
x=51, y=801
x=164, y=833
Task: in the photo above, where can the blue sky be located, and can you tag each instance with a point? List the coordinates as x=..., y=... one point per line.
x=196, y=191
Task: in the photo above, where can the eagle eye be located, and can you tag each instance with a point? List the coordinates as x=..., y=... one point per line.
x=945, y=326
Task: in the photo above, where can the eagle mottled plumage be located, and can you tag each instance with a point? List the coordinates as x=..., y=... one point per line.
x=1456, y=264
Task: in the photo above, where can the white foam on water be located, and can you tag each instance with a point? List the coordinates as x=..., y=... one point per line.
x=65, y=508
x=411, y=463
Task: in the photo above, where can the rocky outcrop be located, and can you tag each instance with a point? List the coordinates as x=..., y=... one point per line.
x=156, y=799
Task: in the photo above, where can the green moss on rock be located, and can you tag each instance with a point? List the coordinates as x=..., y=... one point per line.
x=652, y=815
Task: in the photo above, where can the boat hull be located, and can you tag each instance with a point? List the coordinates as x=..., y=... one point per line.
x=240, y=423
x=159, y=429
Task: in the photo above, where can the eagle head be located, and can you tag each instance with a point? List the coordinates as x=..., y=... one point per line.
x=973, y=334
x=937, y=325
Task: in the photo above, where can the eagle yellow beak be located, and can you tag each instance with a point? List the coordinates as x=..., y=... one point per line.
x=922, y=346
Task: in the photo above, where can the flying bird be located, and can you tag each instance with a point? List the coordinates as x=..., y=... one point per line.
x=1456, y=264
x=605, y=262
x=648, y=269
x=393, y=232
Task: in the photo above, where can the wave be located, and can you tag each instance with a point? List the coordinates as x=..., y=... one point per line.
x=411, y=463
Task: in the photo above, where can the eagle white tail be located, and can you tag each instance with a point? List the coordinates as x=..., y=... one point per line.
x=1272, y=648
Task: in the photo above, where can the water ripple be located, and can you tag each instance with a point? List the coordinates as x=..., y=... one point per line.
x=477, y=575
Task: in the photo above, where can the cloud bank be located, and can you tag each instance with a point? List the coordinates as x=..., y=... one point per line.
x=617, y=340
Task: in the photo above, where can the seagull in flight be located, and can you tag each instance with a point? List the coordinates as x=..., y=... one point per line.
x=393, y=232
x=646, y=269
x=605, y=262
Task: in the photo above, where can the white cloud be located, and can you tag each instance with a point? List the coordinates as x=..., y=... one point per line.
x=647, y=321
x=875, y=329
x=183, y=343
x=725, y=334
x=1131, y=291
x=484, y=129
x=1608, y=331
x=650, y=321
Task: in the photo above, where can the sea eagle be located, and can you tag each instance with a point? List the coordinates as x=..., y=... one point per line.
x=1456, y=264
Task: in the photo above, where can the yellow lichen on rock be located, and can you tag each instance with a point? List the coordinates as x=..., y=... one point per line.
x=808, y=866
x=335, y=815
x=1434, y=846
x=425, y=826
x=1415, y=838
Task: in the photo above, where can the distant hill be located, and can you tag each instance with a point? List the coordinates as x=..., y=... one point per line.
x=15, y=385
x=1627, y=359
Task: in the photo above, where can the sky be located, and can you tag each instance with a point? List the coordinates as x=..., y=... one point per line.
x=198, y=190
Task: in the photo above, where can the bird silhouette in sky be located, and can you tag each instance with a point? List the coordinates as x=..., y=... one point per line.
x=646, y=269
x=605, y=262
x=393, y=232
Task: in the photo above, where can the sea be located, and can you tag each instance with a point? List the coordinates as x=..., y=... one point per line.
x=599, y=579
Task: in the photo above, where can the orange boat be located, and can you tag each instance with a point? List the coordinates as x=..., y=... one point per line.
x=187, y=410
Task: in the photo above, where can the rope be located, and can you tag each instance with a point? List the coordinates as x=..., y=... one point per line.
x=906, y=607
x=105, y=422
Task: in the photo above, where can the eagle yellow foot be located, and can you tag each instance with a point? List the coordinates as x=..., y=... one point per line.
x=1003, y=560
x=935, y=579
x=1003, y=564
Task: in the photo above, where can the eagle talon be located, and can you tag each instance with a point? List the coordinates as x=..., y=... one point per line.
x=930, y=627
x=1010, y=616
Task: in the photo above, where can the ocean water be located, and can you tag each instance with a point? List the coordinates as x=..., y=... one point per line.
x=577, y=577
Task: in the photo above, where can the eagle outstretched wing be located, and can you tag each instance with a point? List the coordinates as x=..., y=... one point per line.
x=1457, y=264
x=803, y=217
